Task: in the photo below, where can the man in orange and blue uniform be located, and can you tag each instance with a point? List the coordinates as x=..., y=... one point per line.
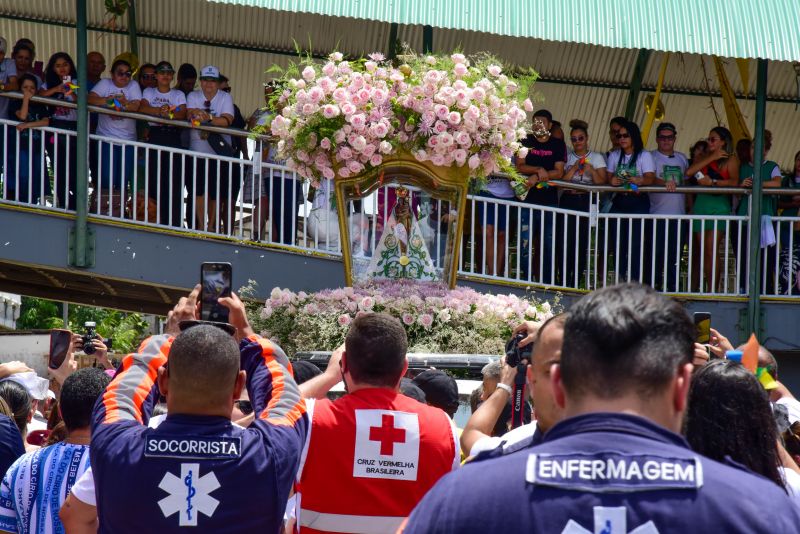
x=197, y=469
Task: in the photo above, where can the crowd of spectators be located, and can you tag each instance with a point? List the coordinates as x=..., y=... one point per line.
x=126, y=179
x=152, y=183
x=628, y=415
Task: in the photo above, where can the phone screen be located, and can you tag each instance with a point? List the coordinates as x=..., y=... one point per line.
x=702, y=322
x=59, y=347
x=216, y=282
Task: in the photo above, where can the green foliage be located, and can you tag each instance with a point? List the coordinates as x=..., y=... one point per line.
x=125, y=329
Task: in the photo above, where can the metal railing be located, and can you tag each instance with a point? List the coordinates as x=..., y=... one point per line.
x=504, y=240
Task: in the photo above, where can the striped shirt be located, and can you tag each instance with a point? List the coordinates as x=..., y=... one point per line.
x=37, y=484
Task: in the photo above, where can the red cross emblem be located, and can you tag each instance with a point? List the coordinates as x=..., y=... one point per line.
x=387, y=434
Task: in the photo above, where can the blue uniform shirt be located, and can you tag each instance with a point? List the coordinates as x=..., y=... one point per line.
x=200, y=473
x=605, y=473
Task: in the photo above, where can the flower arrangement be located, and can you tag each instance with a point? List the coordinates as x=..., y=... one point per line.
x=345, y=117
x=436, y=319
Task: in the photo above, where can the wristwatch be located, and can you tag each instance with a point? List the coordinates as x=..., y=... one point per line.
x=504, y=387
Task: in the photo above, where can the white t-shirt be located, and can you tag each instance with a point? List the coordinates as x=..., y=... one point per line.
x=8, y=69
x=64, y=114
x=156, y=99
x=221, y=104
x=595, y=159
x=111, y=126
x=507, y=440
x=644, y=163
x=671, y=169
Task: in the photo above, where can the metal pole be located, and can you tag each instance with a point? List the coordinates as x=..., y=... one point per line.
x=134, y=40
x=79, y=256
x=754, y=276
x=636, y=82
x=427, y=39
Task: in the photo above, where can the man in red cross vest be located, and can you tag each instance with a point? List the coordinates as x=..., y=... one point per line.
x=371, y=455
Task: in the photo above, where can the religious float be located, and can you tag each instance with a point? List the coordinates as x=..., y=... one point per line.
x=394, y=147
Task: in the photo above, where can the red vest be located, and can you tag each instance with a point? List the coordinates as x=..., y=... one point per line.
x=372, y=456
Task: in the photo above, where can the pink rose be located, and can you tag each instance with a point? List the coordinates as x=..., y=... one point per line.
x=339, y=94
x=463, y=139
x=408, y=319
x=494, y=70
x=458, y=59
x=325, y=144
x=370, y=66
x=528, y=105
x=309, y=73
x=339, y=136
x=330, y=111
x=359, y=143
x=454, y=117
x=441, y=111
x=354, y=166
x=440, y=127
x=478, y=94
x=336, y=56
x=385, y=147
x=426, y=320
x=375, y=160
x=328, y=173
x=348, y=108
x=329, y=69
x=474, y=161
x=460, y=156
x=344, y=319
x=345, y=153
x=460, y=69
x=358, y=121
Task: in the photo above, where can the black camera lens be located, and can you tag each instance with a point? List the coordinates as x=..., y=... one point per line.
x=88, y=347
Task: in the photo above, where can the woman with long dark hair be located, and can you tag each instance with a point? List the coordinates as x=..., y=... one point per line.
x=729, y=415
x=630, y=166
x=719, y=168
x=20, y=403
x=59, y=78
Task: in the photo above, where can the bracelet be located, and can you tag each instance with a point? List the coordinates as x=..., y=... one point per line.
x=504, y=387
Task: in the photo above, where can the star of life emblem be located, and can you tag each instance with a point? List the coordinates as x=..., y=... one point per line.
x=189, y=494
x=609, y=520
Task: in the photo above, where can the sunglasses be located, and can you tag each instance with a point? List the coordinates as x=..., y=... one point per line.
x=577, y=139
x=125, y=74
x=623, y=136
x=666, y=137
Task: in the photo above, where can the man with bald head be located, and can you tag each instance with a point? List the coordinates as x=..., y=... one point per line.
x=197, y=469
x=95, y=66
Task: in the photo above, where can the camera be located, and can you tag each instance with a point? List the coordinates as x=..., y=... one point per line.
x=91, y=335
x=515, y=354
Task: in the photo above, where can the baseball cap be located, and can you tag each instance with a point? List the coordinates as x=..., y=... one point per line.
x=410, y=389
x=440, y=389
x=164, y=66
x=37, y=387
x=209, y=72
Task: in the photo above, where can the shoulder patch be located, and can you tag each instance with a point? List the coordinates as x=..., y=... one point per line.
x=614, y=472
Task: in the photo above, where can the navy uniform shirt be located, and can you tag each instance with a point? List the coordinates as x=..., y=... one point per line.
x=196, y=473
x=605, y=473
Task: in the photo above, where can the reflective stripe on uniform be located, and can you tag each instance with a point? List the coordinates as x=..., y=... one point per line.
x=358, y=524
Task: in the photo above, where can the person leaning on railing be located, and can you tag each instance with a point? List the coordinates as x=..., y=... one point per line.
x=165, y=170
x=770, y=177
x=116, y=160
x=24, y=180
x=790, y=233
x=719, y=168
x=630, y=166
x=212, y=107
x=586, y=167
x=59, y=76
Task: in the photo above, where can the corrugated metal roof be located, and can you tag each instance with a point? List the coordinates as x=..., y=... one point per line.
x=736, y=28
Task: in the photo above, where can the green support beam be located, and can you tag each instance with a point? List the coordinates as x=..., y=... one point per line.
x=427, y=39
x=754, y=271
x=636, y=82
x=132, y=36
x=79, y=255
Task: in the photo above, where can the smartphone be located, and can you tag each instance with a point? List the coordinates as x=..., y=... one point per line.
x=215, y=280
x=702, y=324
x=59, y=347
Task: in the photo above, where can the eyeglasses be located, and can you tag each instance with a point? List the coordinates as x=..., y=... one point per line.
x=666, y=137
x=125, y=74
x=577, y=139
x=226, y=89
x=623, y=135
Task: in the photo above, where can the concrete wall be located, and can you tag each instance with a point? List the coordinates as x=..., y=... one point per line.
x=29, y=348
